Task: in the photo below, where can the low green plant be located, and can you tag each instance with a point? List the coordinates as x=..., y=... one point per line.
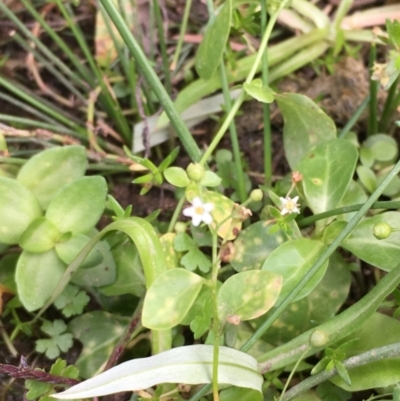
x=258, y=296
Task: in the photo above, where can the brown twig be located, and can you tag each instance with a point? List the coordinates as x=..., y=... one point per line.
x=25, y=372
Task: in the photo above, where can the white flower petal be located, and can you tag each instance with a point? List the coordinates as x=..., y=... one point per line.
x=207, y=218
x=189, y=211
x=196, y=219
x=208, y=207
x=196, y=202
x=295, y=199
x=284, y=211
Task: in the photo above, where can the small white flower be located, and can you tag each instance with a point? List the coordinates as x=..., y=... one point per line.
x=289, y=205
x=199, y=212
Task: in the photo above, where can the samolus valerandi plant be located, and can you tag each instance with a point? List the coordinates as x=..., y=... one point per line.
x=256, y=296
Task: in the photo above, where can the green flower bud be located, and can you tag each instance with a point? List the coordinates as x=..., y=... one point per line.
x=195, y=172
x=318, y=338
x=180, y=227
x=256, y=195
x=382, y=230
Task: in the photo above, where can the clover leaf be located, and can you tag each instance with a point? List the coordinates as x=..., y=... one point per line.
x=71, y=301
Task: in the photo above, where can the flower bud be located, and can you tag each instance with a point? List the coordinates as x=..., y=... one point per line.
x=296, y=177
x=180, y=227
x=195, y=172
x=318, y=338
x=256, y=195
x=382, y=230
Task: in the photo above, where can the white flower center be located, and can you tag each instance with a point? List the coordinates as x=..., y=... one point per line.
x=199, y=210
x=290, y=205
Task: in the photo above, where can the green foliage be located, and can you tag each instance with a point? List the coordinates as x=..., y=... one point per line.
x=266, y=270
x=59, y=340
x=193, y=258
x=209, y=54
x=42, y=390
x=71, y=301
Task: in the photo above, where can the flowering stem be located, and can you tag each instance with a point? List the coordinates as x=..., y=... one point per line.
x=240, y=99
x=346, y=209
x=176, y=214
x=216, y=326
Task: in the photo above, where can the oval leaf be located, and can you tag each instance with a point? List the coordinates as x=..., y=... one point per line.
x=384, y=253
x=254, y=245
x=37, y=276
x=169, y=298
x=327, y=172
x=99, y=332
x=189, y=365
x=79, y=206
x=18, y=208
x=40, y=236
x=67, y=251
x=248, y=295
x=212, y=47
x=177, y=176
x=292, y=260
x=259, y=92
x=48, y=171
x=306, y=126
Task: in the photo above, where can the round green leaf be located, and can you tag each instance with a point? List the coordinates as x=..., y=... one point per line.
x=169, y=298
x=306, y=126
x=37, y=276
x=18, y=208
x=354, y=194
x=79, y=206
x=383, y=147
x=293, y=260
x=130, y=276
x=393, y=188
x=210, y=179
x=68, y=250
x=248, y=295
x=40, y=236
x=367, y=178
x=102, y=274
x=327, y=172
x=48, y=171
x=259, y=92
x=177, y=176
x=254, y=245
x=384, y=253
x=99, y=332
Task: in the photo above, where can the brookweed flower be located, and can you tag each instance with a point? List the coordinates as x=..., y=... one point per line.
x=289, y=205
x=199, y=211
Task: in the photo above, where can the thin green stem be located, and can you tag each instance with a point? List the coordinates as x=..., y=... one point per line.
x=176, y=214
x=112, y=105
x=216, y=325
x=183, y=27
x=266, y=109
x=373, y=92
x=30, y=110
x=163, y=46
x=293, y=371
x=324, y=257
x=344, y=7
x=376, y=354
x=153, y=80
x=81, y=68
x=234, y=137
x=219, y=135
x=354, y=117
x=44, y=106
x=389, y=108
x=346, y=209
